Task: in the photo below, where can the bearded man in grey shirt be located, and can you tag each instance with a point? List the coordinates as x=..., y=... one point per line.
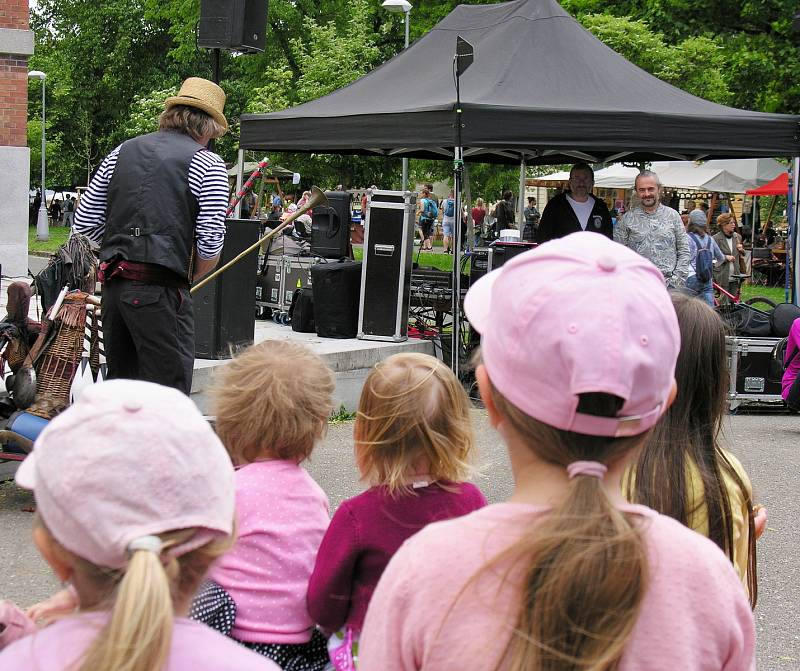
x=656, y=231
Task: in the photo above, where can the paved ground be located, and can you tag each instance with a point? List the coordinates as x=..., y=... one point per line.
x=768, y=446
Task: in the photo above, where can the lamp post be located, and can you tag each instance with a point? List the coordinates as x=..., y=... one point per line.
x=42, y=232
x=405, y=7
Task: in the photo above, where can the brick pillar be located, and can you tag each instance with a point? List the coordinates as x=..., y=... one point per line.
x=16, y=45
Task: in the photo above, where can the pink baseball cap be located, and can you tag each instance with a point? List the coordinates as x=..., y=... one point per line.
x=128, y=460
x=577, y=315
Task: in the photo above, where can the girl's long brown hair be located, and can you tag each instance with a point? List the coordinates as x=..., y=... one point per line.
x=687, y=434
x=584, y=565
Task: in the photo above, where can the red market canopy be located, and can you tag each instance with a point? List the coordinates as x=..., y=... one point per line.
x=777, y=187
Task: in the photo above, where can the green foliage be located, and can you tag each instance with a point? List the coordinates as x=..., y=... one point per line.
x=110, y=63
x=342, y=415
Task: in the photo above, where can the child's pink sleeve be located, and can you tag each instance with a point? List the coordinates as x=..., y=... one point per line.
x=14, y=624
x=330, y=585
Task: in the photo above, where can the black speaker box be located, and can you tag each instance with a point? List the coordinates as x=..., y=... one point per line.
x=238, y=25
x=224, y=309
x=336, y=288
x=330, y=226
x=480, y=262
x=505, y=251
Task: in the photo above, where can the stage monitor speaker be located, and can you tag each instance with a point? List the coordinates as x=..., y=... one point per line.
x=505, y=251
x=480, y=262
x=236, y=25
x=224, y=310
x=335, y=288
x=330, y=226
x=388, y=257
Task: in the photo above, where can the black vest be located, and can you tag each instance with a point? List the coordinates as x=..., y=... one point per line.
x=151, y=211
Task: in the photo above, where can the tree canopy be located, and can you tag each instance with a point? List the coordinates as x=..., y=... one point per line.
x=111, y=64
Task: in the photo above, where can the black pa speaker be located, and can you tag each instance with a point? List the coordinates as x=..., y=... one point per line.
x=505, y=251
x=330, y=226
x=335, y=290
x=238, y=25
x=224, y=309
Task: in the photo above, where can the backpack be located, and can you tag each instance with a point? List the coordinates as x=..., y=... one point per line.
x=704, y=263
x=430, y=210
x=450, y=208
x=778, y=361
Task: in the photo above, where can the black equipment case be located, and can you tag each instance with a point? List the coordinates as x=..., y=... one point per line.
x=280, y=276
x=388, y=257
x=751, y=377
x=224, y=310
x=335, y=290
x=330, y=226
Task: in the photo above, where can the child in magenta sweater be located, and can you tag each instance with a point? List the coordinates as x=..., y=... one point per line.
x=272, y=405
x=413, y=444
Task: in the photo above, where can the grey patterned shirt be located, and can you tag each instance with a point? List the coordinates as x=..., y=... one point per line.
x=660, y=238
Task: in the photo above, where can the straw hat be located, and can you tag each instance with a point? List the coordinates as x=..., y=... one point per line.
x=202, y=94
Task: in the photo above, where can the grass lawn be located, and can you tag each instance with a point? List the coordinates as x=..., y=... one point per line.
x=58, y=236
x=426, y=259
x=775, y=294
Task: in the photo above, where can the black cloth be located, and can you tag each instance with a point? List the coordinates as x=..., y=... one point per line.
x=559, y=219
x=504, y=216
x=151, y=210
x=148, y=332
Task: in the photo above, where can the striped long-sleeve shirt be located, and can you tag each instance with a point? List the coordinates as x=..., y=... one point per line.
x=208, y=182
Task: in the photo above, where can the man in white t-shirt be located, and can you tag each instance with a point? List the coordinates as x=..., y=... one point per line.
x=576, y=209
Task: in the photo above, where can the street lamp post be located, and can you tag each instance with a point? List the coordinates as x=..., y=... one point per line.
x=405, y=7
x=42, y=231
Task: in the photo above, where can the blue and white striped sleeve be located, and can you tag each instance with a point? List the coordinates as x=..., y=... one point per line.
x=90, y=217
x=208, y=181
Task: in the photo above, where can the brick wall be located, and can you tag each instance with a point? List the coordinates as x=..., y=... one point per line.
x=13, y=79
x=14, y=14
x=13, y=100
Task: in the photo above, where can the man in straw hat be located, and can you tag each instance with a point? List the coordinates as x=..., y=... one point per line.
x=156, y=207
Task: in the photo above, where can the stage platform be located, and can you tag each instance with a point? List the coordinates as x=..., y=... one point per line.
x=350, y=359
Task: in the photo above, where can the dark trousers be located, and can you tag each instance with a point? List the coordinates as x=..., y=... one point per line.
x=148, y=332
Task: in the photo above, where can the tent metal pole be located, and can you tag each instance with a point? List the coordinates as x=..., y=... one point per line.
x=521, y=199
x=461, y=61
x=239, y=180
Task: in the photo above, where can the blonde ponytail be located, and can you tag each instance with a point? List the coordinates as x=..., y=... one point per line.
x=141, y=599
x=584, y=564
x=139, y=633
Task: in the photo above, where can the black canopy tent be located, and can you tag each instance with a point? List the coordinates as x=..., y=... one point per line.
x=542, y=89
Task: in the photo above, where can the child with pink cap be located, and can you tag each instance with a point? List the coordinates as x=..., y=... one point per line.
x=579, y=344
x=135, y=500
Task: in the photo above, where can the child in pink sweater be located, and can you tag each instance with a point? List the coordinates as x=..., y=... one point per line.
x=272, y=405
x=413, y=444
x=579, y=342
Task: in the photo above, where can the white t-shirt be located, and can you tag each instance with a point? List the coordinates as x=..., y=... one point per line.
x=582, y=210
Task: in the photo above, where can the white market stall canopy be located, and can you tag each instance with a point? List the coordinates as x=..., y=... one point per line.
x=726, y=176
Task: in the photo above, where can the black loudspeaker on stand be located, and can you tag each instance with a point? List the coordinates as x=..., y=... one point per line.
x=224, y=310
x=238, y=25
x=330, y=226
x=388, y=257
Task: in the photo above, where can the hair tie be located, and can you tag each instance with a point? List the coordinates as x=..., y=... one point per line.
x=148, y=543
x=591, y=468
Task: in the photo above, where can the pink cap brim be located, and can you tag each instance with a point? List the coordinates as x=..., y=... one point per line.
x=478, y=301
x=25, y=476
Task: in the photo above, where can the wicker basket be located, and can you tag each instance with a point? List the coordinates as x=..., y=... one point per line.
x=56, y=367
